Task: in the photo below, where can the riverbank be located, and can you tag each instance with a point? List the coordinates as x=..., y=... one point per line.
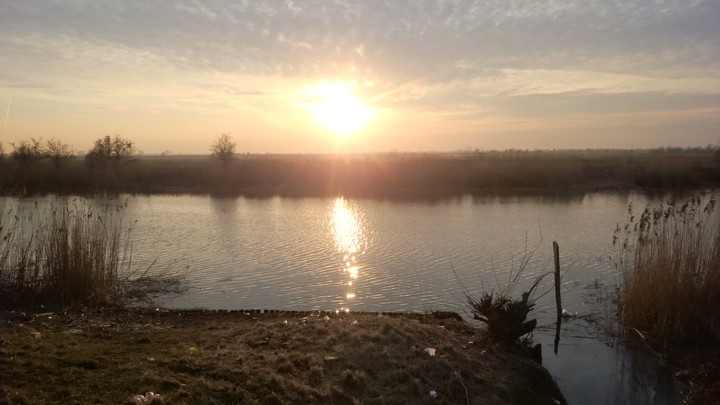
x=385, y=176
x=107, y=356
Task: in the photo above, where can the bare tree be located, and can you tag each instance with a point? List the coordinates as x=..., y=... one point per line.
x=114, y=150
x=58, y=152
x=27, y=152
x=223, y=148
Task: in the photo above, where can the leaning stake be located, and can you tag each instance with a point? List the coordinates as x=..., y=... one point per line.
x=556, y=251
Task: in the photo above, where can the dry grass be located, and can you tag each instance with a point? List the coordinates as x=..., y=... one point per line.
x=194, y=357
x=670, y=279
x=62, y=255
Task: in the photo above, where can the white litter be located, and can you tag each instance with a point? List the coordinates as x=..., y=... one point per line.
x=146, y=399
x=568, y=314
x=433, y=394
x=430, y=351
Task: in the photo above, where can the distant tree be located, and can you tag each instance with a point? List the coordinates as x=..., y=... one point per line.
x=223, y=148
x=111, y=150
x=58, y=152
x=26, y=153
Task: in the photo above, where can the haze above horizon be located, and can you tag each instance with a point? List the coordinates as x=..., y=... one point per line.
x=321, y=76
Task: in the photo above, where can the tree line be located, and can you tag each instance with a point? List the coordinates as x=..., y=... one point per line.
x=106, y=151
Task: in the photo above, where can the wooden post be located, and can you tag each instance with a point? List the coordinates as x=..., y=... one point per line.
x=556, y=251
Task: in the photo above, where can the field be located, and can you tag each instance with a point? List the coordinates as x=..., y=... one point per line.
x=389, y=175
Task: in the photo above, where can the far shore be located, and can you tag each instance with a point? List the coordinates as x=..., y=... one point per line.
x=386, y=176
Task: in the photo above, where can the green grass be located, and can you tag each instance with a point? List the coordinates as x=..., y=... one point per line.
x=670, y=275
x=61, y=255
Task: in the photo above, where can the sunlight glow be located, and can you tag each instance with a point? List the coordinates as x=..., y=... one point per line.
x=336, y=107
x=349, y=238
x=347, y=230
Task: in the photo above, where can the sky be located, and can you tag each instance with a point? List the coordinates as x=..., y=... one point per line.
x=398, y=75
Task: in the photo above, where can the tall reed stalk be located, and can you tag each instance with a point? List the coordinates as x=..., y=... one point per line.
x=670, y=274
x=61, y=255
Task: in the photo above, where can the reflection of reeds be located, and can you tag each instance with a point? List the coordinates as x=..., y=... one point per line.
x=60, y=255
x=670, y=274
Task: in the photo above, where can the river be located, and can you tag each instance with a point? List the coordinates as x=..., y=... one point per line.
x=374, y=255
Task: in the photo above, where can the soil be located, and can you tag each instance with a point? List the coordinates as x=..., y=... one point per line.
x=698, y=371
x=253, y=357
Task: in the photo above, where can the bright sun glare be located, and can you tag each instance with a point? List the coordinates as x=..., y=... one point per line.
x=336, y=107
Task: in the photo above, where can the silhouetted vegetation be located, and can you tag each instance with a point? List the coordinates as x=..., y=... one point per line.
x=26, y=152
x=504, y=316
x=391, y=175
x=223, y=148
x=111, y=151
x=58, y=152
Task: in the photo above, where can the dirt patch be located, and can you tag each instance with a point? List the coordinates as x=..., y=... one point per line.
x=191, y=357
x=699, y=374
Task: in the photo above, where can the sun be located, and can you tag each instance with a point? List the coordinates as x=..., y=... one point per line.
x=335, y=107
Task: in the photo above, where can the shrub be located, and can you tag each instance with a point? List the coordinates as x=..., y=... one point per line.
x=506, y=318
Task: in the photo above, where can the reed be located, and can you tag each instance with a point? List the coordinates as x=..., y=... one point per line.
x=670, y=275
x=61, y=255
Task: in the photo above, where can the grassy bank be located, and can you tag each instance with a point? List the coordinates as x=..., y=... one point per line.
x=193, y=357
x=376, y=175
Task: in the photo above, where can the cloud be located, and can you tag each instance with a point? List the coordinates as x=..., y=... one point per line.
x=398, y=38
x=463, y=57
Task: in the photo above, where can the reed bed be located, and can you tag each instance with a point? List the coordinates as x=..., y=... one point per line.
x=670, y=274
x=61, y=255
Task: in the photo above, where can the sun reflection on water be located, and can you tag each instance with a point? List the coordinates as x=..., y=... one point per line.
x=350, y=241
